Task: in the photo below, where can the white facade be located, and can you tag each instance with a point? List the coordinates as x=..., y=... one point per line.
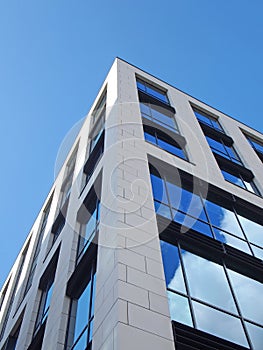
x=131, y=305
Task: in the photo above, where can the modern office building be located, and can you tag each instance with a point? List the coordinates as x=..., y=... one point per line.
x=151, y=235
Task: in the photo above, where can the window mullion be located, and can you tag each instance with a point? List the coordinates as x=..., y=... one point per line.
x=187, y=287
x=237, y=305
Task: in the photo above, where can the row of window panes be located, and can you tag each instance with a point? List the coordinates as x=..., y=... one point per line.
x=13, y=293
x=89, y=230
x=100, y=109
x=152, y=91
x=154, y=114
x=212, y=298
x=238, y=180
x=159, y=116
x=208, y=218
x=226, y=151
x=208, y=120
x=44, y=305
x=83, y=317
x=257, y=145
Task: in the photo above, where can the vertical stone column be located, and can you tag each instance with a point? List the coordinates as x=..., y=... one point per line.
x=131, y=308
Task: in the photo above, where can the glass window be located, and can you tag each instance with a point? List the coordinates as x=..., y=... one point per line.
x=44, y=305
x=239, y=181
x=172, y=267
x=253, y=230
x=150, y=138
x=186, y=201
x=159, y=192
x=231, y=240
x=258, y=252
x=207, y=216
x=100, y=109
x=219, y=324
x=257, y=145
x=89, y=230
x=220, y=148
x=158, y=115
x=163, y=210
x=82, y=314
x=204, y=118
x=223, y=218
x=256, y=335
x=152, y=90
x=177, y=151
x=166, y=143
x=248, y=293
x=207, y=282
x=179, y=308
x=218, y=297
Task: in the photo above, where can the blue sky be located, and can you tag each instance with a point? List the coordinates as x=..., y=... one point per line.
x=54, y=55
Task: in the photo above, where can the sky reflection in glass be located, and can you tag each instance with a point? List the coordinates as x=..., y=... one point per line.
x=208, y=289
x=207, y=217
x=179, y=309
x=172, y=267
x=207, y=281
x=219, y=323
x=256, y=335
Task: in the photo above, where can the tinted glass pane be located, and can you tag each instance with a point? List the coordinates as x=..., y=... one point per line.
x=217, y=146
x=256, y=335
x=199, y=226
x=232, y=241
x=162, y=209
x=186, y=201
x=179, y=308
x=151, y=90
x=48, y=299
x=175, y=194
x=219, y=324
x=91, y=331
x=178, y=217
x=140, y=86
x=82, y=342
x=145, y=108
x=258, y=252
x=203, y=118
x=232, y=153
x=253, y=231
x=162, y=117
x=150, y=138
x=207, y=281
x=248, y=292
x=82, y=315
x=171, y=148
x=210, y=121
x=223, y=218
x=256, y=145
x=172, y=267
x=250, y=186
x=158, y=189
x=93, y=295
x=234, y=179
x=191, y=223
x=91, y=225
x=216, y=124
